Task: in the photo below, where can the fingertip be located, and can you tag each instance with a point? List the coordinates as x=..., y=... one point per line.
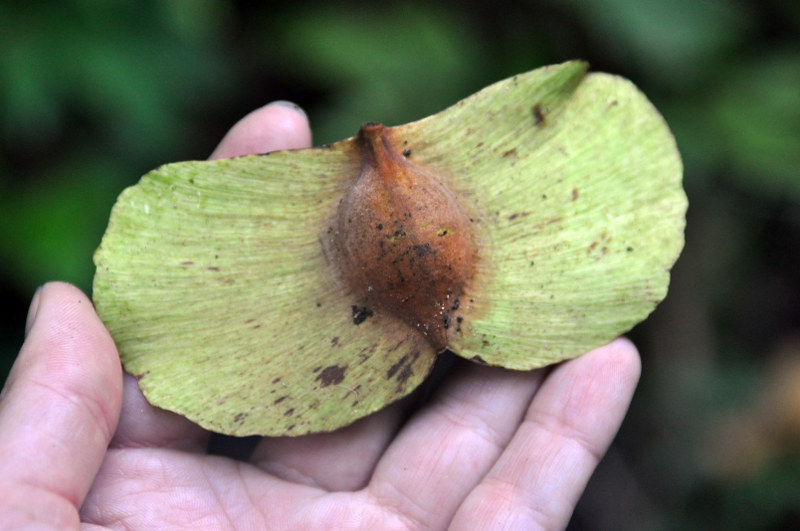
x=69, y=341
x=33, y=310
x=623, y=354
x=289, y=105
x=275, y=126
x=623, y=345
x=591, y=395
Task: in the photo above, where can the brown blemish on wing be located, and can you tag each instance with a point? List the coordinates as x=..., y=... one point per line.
x=405, y=374
x=401, y=240
x=512, y=217
x=538, y=115
x=360, y=314
x=403, y=369
x=602, y=243
x=396, y=367
x=333, y=375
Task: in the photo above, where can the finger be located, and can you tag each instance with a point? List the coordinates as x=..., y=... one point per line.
x=339, y=461
x=538, y=480
x=144, y=426
x=59, y=408
x=447, y=448
x=163, y=489
x=278, y=125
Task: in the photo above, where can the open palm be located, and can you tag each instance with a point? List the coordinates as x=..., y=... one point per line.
x=491, y=449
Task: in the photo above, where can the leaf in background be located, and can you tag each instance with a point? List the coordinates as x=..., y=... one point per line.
x=131, y=67
x=230, y=290
x=757, y=115
x=744, y=127
x=675, y=42
x=373, y=65
x=50, y=223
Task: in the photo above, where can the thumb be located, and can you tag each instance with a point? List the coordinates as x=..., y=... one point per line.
x=58, y=410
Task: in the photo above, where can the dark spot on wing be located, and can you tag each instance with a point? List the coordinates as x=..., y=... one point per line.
x=396, y=367
x=360, y=314
x=403, y=369
x=333, y=375
x=405, y=374
x=538, y=115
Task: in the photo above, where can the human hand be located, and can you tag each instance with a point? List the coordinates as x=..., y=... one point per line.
x=492, y=449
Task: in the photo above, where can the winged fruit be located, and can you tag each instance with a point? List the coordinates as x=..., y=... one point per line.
x=297, y=291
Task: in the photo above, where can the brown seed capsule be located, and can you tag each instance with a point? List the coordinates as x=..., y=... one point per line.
x=401, y=240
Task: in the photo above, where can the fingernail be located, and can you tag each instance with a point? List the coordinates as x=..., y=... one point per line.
x=33, y=310
x=290, y=105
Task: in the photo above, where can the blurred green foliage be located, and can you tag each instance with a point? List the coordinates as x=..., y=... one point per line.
x=95, y=93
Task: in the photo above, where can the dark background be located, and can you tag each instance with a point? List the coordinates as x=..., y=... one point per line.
x=94, y=94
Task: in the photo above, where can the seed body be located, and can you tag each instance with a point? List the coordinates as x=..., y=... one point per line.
x=401, y=240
